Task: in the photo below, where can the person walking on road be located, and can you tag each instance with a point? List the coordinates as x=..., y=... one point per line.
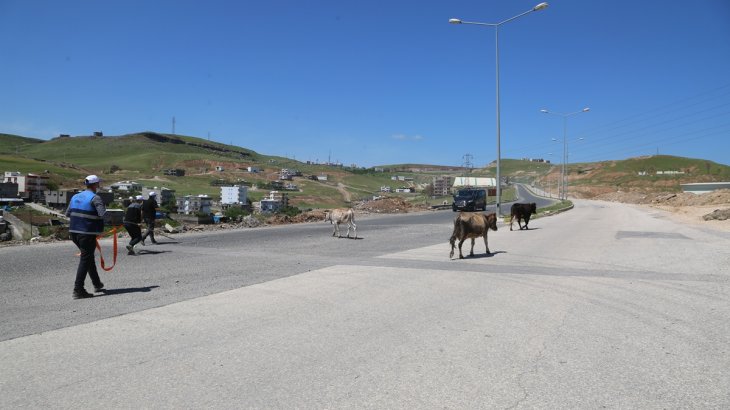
x=132, y=221
x=149, y=213
x=86, y=212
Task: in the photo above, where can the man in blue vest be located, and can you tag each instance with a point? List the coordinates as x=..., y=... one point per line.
x=86, y=211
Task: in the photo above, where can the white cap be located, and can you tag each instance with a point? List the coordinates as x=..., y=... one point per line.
x=152, y=193
x=92, y=179
x=131, y=197
x=139, y=197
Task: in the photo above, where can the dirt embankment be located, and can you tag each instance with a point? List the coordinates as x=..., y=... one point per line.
x=711, y=209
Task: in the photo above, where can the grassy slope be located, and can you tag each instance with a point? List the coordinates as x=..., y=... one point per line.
x=142, y=159
x=624, y=174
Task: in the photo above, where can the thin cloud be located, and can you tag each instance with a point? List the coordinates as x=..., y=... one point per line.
x=403, y=137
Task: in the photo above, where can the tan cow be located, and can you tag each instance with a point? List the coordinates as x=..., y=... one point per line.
x=341, y=216
x=471, y=225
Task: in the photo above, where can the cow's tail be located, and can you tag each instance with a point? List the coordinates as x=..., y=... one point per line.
x=455, y=235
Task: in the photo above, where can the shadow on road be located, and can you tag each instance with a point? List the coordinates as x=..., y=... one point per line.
x=142, y=252
x=122, y=291
x=480, y=255
x=354, y=239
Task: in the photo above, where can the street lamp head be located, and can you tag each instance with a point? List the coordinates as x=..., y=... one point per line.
x=454, y=21
x=540, y=7
x=586, y=109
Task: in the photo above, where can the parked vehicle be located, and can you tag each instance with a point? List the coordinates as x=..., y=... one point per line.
x=470, y=199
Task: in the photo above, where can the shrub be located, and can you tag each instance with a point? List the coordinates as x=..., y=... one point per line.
x=289, y=211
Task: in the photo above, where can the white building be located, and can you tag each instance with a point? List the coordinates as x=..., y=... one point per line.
x=474, y=182
x=127, y=186
x=274, y=202
x=234, y=195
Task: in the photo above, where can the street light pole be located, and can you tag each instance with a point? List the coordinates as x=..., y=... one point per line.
x=563, y=173
x=496, y=47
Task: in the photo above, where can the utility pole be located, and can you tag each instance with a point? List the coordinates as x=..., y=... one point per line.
x=468, y=166
x=173, y=125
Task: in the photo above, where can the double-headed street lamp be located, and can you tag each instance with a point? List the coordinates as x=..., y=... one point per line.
x=564, y=176
x=496, y=42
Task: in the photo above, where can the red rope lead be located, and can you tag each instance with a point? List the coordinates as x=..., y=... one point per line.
x=101, y=256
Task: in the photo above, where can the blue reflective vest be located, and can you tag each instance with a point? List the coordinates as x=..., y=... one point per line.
x=84, y=218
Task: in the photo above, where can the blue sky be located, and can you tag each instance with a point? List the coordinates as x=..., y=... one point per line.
x=375, y=82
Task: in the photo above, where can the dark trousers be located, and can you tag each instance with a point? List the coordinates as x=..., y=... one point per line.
x=87, y=264
x=135, y=232
x=150, y=230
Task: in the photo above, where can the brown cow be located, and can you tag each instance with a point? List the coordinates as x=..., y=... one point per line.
x=341, y=216
x=471, y=225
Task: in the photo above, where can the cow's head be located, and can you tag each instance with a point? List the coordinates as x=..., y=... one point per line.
x=491, y=221
x=533, y=208
x=327, y=216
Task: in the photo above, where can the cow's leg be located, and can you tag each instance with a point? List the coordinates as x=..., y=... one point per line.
x=511, y=218
x=472, y=247
x=527, y=220
x=452, y=241
x=519, y=222
x=486, y=243
x=354, y=228
x=461, y=242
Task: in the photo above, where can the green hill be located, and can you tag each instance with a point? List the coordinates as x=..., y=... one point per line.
x=649, y=174
x=144, y=156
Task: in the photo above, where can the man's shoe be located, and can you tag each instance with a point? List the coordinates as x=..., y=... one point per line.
x=155, y=243
x=130, y=250
x=99, y=288
x=82, y=294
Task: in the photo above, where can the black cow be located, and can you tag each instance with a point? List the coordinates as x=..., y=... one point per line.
x=522, y=211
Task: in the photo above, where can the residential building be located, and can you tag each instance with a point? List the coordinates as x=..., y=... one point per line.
x=285, y=174
x=253, y=169
x=175, y=172
x=219, y=168
x=165, y=196
x=234, y=195
x=321, y=177
x=194, y=204
x=441, y=185
x=59, y=199
x=274, y=202
x=405, y=190
x=8, y=190
x=127, y=186
x=30, y=187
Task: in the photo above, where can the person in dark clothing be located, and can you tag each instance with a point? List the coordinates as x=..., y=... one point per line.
x=132, y=220
x=149, y=213
x=86, y=212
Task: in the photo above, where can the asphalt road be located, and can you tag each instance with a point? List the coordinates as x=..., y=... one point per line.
x=605, y=306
